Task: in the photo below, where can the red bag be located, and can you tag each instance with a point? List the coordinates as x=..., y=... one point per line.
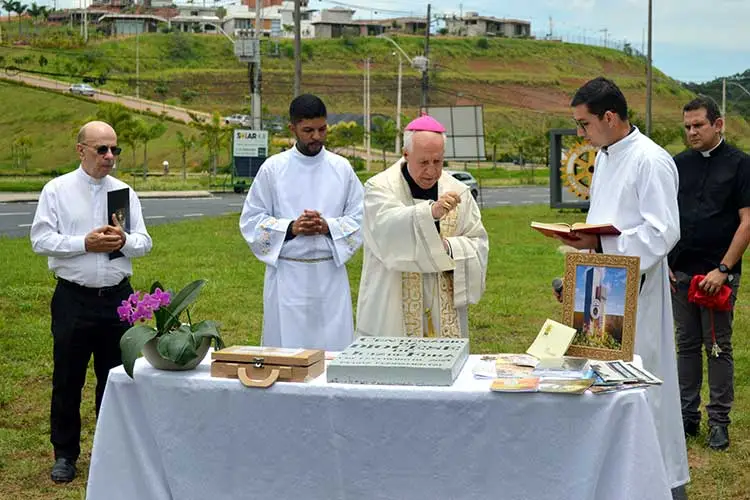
x=722, y=301
x=719, y=302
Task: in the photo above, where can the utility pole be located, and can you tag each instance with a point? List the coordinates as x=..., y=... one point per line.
x=85, y=23
x=137, y=63
x=256, y=104
x=297, y=49
x=398, y=107
x=649, y=69
x=425, y=72
x=367, y=113
x=606, y=35
x=724, y=104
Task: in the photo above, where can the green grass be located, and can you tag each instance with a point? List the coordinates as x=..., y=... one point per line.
x=517, y=301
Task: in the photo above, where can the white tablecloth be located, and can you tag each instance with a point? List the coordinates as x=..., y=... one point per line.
x=185, y=435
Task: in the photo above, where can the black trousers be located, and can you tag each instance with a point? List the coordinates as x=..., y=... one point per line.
x=84, y=322
x=693, y=325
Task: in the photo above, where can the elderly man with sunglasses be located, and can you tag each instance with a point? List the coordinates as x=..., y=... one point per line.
x=73, y=229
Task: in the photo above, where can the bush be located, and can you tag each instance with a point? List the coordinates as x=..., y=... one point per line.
x=358, y=163
x=307, y=51
x=483, y=43
x=187, y=95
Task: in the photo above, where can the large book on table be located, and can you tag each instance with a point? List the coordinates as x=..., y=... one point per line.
x=400, y=361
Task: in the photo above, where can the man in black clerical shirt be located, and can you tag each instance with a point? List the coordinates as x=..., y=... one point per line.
x=714, y=201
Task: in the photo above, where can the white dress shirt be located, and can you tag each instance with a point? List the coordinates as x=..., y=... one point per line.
x=70, y=207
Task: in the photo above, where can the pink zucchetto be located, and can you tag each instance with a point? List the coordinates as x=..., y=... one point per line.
x=426, y=124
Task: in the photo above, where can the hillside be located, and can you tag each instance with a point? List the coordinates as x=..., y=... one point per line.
x=738, y=99
x=50, y=121
x=525, y=86
x=509, y=76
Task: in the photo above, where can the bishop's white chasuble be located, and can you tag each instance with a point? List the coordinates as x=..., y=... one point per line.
x=410, y=285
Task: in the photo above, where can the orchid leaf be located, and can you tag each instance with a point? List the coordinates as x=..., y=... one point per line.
x=177, y=345
x=131, y=344
x=208, y=329
x=180, y=302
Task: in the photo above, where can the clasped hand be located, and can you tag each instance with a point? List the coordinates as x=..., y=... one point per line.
x=310, y=223
x=106, y=239
x=445, y=204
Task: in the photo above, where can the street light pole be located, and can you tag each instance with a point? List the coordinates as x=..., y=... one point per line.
x=256, y=105
x=297, y=49
x=425, y=71
x=398, y=106
x=367, y=113
x=137, y=64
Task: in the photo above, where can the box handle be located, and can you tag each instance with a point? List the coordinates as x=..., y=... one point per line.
x=250, y=382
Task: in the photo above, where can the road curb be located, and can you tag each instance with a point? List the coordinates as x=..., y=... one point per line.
x=7, y=197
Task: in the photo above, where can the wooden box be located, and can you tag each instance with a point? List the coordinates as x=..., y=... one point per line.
x=263, y=366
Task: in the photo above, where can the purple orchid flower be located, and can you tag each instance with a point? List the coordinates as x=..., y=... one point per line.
x=137, y=308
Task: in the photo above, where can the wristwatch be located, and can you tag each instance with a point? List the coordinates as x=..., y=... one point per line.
x=723, y=269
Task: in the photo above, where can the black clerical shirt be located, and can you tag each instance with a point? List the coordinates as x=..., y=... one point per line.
x=713, y=188
x=419, y=193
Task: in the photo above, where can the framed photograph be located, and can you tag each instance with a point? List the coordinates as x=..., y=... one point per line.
x=601, y=304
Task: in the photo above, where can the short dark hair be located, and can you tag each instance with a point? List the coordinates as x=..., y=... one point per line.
x=601, y=95
x=704, y=102
x=306, y=107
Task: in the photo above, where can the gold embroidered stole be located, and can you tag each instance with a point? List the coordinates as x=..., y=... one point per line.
x=412, y=294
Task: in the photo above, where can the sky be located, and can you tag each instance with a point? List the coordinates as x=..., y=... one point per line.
x=614, y=282
x=693, y=40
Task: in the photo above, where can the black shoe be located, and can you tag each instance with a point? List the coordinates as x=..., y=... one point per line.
x=718, y=437
x=691, y=428
x=679, y=493
x=64, y=470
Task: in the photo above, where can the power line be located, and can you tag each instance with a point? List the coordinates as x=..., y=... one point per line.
x=370, y=8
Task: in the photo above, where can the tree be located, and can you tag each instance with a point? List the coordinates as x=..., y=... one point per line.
x=8, y=7
x=147, y=133
x=19, y=8
x=20, y=149
x=661, y=135
x=161, y=89
x=221, y=12
x=384, y=134
x=211, y=136
x=186, y=144
x=117, y=115
x=345, y=134
x=132, y=137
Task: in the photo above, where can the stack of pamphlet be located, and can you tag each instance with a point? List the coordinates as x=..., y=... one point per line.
x=543, y=368
x=612, y=376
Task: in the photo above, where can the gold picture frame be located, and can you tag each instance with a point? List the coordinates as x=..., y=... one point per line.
x=600, y=300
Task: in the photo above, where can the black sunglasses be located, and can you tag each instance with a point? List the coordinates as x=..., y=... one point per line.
x=102, y=150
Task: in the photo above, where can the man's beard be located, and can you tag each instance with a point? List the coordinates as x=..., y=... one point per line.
x=305, y=148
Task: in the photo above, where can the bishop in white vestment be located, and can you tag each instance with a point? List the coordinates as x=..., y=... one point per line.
x=634, y=187
x=302, y=219
x=425, y=248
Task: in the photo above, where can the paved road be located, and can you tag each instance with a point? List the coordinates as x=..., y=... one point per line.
x=16, y=218
x=105, y=96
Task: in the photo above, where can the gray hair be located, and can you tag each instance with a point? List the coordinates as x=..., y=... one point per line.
x=409, y=139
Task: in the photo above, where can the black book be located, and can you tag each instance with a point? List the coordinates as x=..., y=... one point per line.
x=118, y=203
